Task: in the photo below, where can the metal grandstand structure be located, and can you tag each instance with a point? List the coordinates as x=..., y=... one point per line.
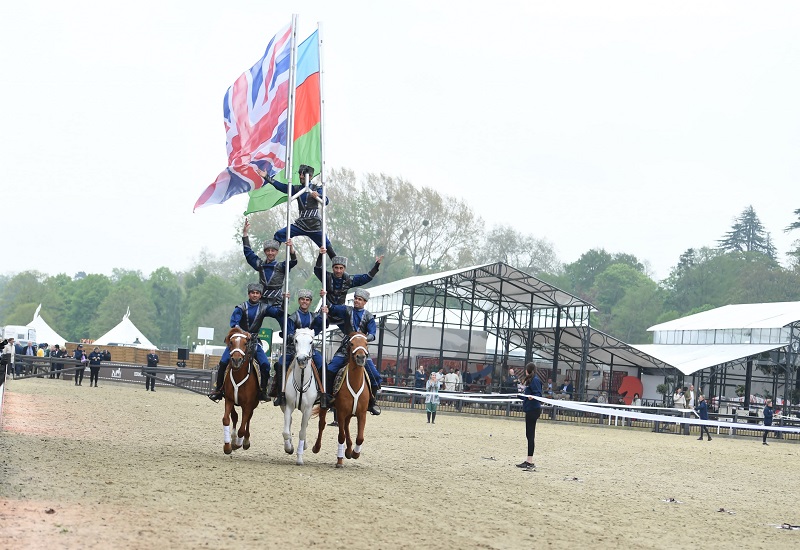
x=452, y=318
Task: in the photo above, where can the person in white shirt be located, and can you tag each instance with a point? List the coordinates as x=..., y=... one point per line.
x=450, y=381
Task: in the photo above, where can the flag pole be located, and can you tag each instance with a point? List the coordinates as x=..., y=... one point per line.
x=324, y=189
x=289, y=177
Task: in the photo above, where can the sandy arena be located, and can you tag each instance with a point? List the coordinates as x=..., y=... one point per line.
x=118, y=467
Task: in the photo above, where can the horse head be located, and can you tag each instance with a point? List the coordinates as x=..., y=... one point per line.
x=238, y=342
x=358, y=348
x=303, y=345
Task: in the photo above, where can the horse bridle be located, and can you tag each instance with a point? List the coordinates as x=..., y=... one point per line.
x=250, y=345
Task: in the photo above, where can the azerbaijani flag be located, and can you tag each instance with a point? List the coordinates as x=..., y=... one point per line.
x=307, y=147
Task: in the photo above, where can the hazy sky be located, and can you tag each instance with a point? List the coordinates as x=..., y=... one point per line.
x=638, y=126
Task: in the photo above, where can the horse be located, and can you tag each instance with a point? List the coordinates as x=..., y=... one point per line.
x=351, y=400
x=240, y=388
x=300, y=389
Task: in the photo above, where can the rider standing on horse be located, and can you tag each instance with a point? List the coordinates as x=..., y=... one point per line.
x=271, y=273
x=248, y=317
x=309, y=222
x=338, y=283
x=302, y=318
x=354, y=319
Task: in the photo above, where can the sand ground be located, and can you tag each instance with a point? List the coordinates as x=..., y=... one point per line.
x=118, y=467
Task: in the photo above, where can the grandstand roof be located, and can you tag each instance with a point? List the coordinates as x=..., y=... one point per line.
x=769, y=315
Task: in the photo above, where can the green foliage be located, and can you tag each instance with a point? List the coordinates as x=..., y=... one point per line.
x=748, y=235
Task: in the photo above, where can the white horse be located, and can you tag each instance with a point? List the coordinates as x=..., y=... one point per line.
x=301, y=390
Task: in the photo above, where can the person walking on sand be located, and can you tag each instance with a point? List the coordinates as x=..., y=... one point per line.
x=531, y=387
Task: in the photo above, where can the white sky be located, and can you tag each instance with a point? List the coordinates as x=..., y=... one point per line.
x=640, y=127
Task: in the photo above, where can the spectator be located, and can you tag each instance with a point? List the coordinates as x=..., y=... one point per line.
x=690, y=397
x=768, y=413
x=432, y=397
x=57, y=353
x=678, y=400
x=467, y=380
x=450, y=381
x=511, y=382
x=106, y=355
x=567, y=389
x=550, y=388
x=94, y=366
x=702, y=410
x=419, y=378
x=460, y=383
x=637, y=401
x=149, y=375
x=9, y=354
x=79, y=356
x=531, y=386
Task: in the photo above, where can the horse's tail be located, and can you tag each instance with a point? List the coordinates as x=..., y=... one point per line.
x=315, y=411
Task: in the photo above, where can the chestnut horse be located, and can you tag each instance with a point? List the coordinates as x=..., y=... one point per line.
x=351, y=400
x=240, y=388
x=301, y=390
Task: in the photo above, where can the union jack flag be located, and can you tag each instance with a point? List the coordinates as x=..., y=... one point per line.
x=255, y=110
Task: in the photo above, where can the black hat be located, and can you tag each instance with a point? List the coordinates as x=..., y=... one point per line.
x=305, y=169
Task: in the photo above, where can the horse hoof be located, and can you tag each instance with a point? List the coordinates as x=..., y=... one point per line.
x=289, y=449
x=246, y=445
x=339, y=465
x=348, y=454
x=299, y=462
x=355, y=456
x=227, y=449
x=315, y=449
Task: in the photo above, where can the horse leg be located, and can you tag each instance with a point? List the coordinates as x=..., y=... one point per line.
x=226, y=428
x=348, y=452
x=244, y=430
x=287, y=428
x=318, y=445
x=301, y=444
x=361, y=420
x=235, y=418
x=340, y=454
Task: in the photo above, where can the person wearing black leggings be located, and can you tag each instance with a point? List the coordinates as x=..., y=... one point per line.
x=94, y=366
x=532, y=408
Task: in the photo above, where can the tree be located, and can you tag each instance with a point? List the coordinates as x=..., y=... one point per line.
x=748, y=235
x=87, y=295
x=525, y=252
x=210, y=304
x=21, y=296
x=168, y=297
x=130, y=291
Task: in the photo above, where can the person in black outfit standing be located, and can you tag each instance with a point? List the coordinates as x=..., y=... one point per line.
x=702, y=410
x=79, y=356
x=150, y=376
x=768, y=414
x=94, y=366
x=533, y=408
x=58, y=353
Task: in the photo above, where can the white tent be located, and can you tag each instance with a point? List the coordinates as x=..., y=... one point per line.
x=45, y=334
x=125, y=334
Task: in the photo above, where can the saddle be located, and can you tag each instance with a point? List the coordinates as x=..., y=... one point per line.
x=339, y=380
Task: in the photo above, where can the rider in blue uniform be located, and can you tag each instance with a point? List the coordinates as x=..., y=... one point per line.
x=271, y=273
x=354, y=318
x=302, y=318
x=247, y=316
x=309, y=222
x=338, y=282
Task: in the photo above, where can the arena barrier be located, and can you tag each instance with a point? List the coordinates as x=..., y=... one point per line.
x=193, y=380
x=656, y=418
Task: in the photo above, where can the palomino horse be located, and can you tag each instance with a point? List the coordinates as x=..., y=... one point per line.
x=240, y=388
x=351, y=400
x=300, y=390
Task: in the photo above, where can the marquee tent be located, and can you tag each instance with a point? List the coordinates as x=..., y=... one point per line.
x=125, y=334
x=44, y=333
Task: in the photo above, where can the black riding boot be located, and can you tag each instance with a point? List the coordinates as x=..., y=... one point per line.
x=216, y=395
x=262, y=395
x=433, y=417
x=280, y=396
x=373, y=408
x=326, y=399
x=429, y=417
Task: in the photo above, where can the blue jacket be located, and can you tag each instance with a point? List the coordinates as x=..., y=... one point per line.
x=533, y=388
x=768, y=412
x=702, y=409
